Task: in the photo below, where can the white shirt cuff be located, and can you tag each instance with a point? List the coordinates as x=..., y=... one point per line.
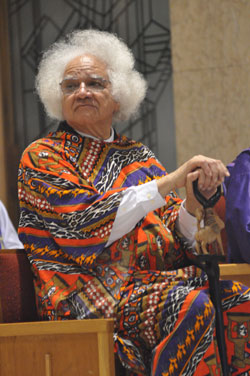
x=137, y=202
x=187, y=224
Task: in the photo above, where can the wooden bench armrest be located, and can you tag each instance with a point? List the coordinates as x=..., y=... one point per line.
x=57, y=327
x=237, y=272
x=87, y=346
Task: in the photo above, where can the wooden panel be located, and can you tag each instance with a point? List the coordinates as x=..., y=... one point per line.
x=72, y=348
x=56, y=327
x=237, y=272
x=73, y=354
x=106, y=354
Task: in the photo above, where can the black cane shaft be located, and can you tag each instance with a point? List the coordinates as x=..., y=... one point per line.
x=209, y=263
x=214, y=289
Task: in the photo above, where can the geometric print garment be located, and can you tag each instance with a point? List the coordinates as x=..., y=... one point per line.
x=69, y=190
x=167, y=322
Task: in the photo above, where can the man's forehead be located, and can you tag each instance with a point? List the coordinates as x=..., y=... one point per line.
x=88, y=64
x=76, y=76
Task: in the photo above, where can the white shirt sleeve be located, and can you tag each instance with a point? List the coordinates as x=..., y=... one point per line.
x=137, y=202
x=9, y=235
x=187, y=224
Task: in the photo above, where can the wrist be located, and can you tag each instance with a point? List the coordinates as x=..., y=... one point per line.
x=165, y=185
x=191, y=206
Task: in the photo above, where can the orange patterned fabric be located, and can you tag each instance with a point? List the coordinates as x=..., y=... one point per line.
x=69, y=190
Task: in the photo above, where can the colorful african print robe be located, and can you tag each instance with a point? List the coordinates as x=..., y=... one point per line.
x=69, y=190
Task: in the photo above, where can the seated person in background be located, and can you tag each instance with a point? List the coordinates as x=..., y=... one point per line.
x=8, y=235
x=106, y=234
x=237, y=218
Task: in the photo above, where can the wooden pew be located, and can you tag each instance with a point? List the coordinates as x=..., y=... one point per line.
x=46, y=348
x=56, y=348
x=237, y=272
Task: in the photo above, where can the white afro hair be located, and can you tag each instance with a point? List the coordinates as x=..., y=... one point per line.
x=128, y=85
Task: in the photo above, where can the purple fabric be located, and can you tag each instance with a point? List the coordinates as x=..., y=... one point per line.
x=237, y=194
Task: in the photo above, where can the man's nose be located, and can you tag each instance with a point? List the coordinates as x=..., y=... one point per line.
x=83, y=89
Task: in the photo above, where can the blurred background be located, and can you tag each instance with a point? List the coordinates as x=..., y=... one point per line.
x=195, y=55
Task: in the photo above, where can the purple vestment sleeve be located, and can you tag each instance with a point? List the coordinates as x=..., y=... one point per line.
x=237, y=193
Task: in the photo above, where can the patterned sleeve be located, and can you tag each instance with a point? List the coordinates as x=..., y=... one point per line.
x=170, y=211
x=181, y=251
x=62, y=214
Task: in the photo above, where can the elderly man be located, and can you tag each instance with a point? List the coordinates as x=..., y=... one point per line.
x=105, y=232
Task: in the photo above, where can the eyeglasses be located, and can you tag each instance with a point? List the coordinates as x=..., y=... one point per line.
x=92, y=84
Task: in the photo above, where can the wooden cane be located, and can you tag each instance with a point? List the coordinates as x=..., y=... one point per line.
x=210, y=264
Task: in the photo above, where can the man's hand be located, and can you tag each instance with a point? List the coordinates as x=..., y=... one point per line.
x=209, y=172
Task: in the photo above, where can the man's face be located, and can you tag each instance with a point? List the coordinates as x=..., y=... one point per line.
x=87, y=103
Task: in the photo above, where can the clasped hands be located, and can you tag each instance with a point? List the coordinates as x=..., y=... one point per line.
x=209, y=172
